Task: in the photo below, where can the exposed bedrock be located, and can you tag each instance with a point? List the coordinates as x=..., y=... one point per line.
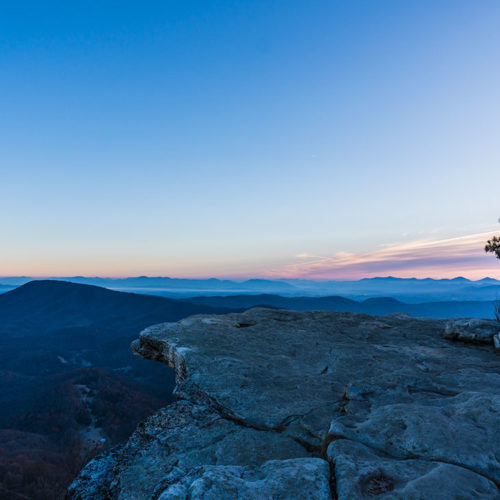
x=281, y=404
x=478, y=331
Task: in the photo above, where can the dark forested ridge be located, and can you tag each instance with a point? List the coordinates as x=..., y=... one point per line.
x=45, y=306
x=69, y=384
x=377, y=306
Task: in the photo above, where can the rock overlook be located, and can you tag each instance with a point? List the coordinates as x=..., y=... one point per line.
x=279, y=404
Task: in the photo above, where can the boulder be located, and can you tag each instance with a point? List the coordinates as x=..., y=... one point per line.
x=477, y=331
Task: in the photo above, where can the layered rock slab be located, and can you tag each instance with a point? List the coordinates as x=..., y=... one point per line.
x=392, y=408
x=293, y=478
x=183, y=437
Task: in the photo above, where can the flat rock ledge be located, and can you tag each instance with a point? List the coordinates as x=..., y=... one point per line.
x=320, y=405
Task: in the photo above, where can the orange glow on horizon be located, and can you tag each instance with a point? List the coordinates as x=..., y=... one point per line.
x=425, y=258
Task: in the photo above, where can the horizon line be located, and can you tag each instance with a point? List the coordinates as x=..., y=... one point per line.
x=237, y=279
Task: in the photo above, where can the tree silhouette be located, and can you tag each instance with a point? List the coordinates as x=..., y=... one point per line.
x=493, y=246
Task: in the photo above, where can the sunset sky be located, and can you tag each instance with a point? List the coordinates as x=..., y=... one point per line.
x=310, y=139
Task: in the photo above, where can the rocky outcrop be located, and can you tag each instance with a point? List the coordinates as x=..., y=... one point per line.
x=477, y=331
x=279, y=404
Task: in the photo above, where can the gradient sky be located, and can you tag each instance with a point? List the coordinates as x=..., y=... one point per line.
x=275, y=138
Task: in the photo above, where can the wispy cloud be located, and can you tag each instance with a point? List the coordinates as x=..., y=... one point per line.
x=437, y=258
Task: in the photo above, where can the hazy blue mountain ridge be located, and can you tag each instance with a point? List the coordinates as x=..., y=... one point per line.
x=377, y=306
x=411, y=290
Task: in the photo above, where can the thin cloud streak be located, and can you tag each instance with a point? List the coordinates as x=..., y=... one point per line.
x=443, y=258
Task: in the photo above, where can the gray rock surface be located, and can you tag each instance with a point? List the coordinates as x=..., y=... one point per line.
x=280, y=404
x=274, y=479
x=478, y=331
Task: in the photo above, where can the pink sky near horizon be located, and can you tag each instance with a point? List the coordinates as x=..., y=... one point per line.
x=424, y=258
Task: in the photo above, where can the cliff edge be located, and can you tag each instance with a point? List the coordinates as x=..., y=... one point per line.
x=280, y=404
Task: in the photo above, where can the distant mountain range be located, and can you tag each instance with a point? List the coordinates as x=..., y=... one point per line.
x=410, y=290
x=375, y=306
x=43, y=307
x=167, y=284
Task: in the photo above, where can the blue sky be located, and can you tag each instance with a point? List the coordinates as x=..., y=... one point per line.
x=285, y=138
